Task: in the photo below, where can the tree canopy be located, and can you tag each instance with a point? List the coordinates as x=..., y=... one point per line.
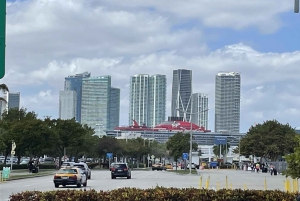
x=180, y=143
x=270, y=140
x=293, y=161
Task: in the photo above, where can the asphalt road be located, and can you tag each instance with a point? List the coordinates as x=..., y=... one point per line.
x=101, y=180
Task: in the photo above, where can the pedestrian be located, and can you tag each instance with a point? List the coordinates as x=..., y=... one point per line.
x=30, y=166
x=272, y=168
x=257, y=166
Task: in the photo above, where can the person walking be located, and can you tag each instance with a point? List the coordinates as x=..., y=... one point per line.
x=257, y=166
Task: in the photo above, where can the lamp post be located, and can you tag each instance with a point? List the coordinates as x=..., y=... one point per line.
x=191, y=135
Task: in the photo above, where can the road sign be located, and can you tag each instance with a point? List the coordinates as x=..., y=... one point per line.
x=109, y=155
x=5, y=172
x=152, y=157
x=2, y=37
x=12, y=152
x=185, y=156
x=220, y=140
x=13, y=146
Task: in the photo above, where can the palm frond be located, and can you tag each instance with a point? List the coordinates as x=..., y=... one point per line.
x=2, y=99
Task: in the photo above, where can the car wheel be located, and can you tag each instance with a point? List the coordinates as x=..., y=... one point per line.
x=56, y=185
x=89, y=177
x=112, y=177
x=152, y=169
x=79, y=185
x=129, y=177
x=84, y=184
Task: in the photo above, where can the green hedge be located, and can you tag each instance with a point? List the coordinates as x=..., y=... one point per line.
x=25, y=166
x=156, y=194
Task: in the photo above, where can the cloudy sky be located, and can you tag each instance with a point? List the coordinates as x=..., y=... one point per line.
x=48, y=40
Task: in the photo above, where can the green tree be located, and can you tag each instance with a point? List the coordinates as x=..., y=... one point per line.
x=224, y=149
x=269, y=140
x=180, y=143
x=108, y=145
x=293, y=161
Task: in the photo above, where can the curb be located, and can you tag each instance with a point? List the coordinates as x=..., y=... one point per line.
x=27, y=177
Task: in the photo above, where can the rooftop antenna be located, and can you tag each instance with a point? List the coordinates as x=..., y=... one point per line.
x=296, y=6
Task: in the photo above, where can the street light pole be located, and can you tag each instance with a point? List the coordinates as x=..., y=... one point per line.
x=191, y=136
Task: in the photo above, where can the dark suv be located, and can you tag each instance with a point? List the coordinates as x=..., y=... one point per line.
x=120, y=170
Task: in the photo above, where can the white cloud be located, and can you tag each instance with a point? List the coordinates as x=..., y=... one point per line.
x=48, y=40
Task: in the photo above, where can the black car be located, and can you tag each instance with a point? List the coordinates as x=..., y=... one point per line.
x=120, y=170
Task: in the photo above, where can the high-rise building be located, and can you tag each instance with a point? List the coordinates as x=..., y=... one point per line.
x=74, y=83
x=114, y=116
x=200, y=109
x=67, y=104
x=100, y=105
x=14, y=100
x=147, y=99
x=157, y=102
x=227, y=102
x=181, y=94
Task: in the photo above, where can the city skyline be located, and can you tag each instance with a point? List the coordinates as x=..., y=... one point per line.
x=128, y=39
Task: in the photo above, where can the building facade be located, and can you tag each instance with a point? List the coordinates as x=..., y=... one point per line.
x=200, y=109
x=227, y=102
x=100, y=104
x=67, y=104
x=157, y=102
x=14, y=100
x=74, y=83
x=181, y=94
x=147, y=99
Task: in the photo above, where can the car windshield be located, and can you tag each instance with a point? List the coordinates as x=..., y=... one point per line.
x=80, y=166
x=120, y=166
x=67, y=171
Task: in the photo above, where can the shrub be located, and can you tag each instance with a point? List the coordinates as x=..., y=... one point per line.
x=25, y=166
x=155, y=194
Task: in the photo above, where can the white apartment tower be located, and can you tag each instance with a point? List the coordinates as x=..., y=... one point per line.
x=227, y=102
x=147, y=99
x=200, y=109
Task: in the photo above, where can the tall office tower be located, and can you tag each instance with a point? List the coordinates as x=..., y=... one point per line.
x=181, y=94
x=200, y=109
x=14, y=100
x=74, y=83
x=67, y=104
x=114, y=107
x=139, y=99
x=227, y=102
x=157, y=99
x=147, y=99
x=100, y=104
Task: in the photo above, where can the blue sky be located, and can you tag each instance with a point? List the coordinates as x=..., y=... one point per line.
x=49, y=40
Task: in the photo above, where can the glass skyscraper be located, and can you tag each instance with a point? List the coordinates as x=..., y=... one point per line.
x=181, y=93
x=67, y=104
x=100, y=105
x=147, y=99
x=200, y=109
x=74, y=83
x=14, y=100
x=227, y=102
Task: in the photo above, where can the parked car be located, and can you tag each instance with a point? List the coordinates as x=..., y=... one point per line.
x=120, y=170
x=70, y=176
x=85, y=168
x=169, y=166
x=193, y=166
